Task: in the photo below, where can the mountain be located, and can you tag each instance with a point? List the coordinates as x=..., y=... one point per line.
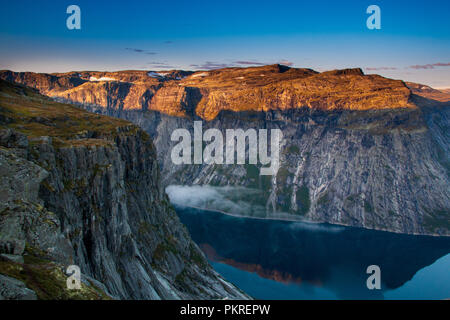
x=205, y=94
x=359, y=150
x=84, y=189
x=442, y=95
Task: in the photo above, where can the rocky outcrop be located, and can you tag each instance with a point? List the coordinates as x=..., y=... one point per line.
x=83, y=189
x=358, y=150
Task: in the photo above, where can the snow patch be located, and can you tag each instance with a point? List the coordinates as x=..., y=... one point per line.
x=102, y=79
x=157, y=74
x=203, y=74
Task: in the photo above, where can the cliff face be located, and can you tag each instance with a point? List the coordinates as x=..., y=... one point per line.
x=383, y=170
x=359, y=150
x=84, y=189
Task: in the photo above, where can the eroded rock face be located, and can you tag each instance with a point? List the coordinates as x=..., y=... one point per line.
x=93, y=198
x=358, y=150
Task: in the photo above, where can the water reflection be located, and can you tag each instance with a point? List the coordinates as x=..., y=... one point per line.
x=311, y=256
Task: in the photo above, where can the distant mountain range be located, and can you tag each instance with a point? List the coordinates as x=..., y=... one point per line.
x=442, y=95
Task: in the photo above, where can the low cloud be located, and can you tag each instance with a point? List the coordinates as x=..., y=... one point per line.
x=228, y=199
x=164, y=66
x=250, y=63
x=141, y=51
x=380, y=68
x=286, y=63
x=160, y=65
x=430, y=66
x=416, y=67
x=236, y=201
x=210, y=65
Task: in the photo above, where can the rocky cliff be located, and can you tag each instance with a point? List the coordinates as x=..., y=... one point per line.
x=83, y=189
x=359, y=150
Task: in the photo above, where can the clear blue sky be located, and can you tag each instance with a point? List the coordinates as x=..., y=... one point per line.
x=413, y=43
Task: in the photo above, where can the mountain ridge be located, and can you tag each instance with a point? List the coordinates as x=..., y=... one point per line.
x=206, y=93
x=358, y=150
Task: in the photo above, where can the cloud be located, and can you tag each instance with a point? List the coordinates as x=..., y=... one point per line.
x=161, y=65
x=416, y=67
x=227, y=199
x=157, y=63
x=258, y=63
x=209, y=65
x=164, y=66
x=430, y=66
x=380, y=68
x=236, y=201
x=286, y=63
x=141, y=51
x=250, y=63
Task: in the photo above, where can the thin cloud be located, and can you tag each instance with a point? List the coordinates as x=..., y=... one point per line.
x=286, y=63
x=161, y=65
x=248, y=63
x=209, y=65
x=258, y=63
x=164, y=66
x=156, y=62
x=380, y=68
x=430, y=66
x=141, y=51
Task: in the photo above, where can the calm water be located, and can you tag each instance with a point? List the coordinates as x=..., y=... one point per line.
x=294, y=260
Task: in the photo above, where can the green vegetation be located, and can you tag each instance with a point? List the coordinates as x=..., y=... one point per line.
x=256, y=180
x=292, y=149
x=282, y=175
x=197, y=258
x=47, y=279
x=162, y=248
x=24, y=110
x=145, y=227
x=368, y=207
x=323, y=200
x=302, y=196
x=181, y=277
x=436, y=220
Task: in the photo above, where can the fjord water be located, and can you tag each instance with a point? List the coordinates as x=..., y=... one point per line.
x=271, y=259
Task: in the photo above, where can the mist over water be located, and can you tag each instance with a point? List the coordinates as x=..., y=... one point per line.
x=271, y=259
x=232, y=200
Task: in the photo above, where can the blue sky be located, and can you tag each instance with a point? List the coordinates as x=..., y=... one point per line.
x=413, y=43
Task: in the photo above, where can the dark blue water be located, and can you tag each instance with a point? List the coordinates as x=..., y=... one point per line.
x=294, y=260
